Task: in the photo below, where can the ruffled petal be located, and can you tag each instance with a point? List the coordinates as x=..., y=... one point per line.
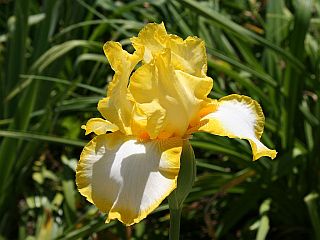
x=148, y=119
x=238, y=116
x=117, y=107
x=175, y=71
x=126, y=178
x=99, y=126
x=158, y=88
x=188, y=55
x=152, y=38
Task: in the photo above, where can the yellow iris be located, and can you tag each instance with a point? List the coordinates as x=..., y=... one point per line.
x=132, y=164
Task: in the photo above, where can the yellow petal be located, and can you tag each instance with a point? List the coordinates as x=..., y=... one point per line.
x=187, y=55
x=147, y=120
x=238, y=116
x=117, y=107
x=158, y=86
x=99, y=126
x=125, y=178
x=152, y=38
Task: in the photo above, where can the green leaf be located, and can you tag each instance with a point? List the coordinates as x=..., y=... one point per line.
x=311, y=201
x=264, y=220
x=238, y=30
x=39, y=137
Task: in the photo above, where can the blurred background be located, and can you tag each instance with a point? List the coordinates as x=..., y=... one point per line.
x=53, y=72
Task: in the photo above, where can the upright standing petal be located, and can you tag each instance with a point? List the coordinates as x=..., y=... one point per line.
x=125, y=178
x=238, y=116
x=188, y=55
x=117, y=107
x=152, y=38
x=157, y=85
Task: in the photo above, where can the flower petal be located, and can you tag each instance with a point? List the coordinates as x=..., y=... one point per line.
x=188, y=55
x=238, y=116
x=125, y=178
x=159, y=88
x=152, y=38
x=117, y=107
x=147, y=120
x=99, y=126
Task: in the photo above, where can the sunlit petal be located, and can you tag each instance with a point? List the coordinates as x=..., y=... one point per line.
x=125, y=178
x=152, y=38
x=188, y=55
x=159, y=88
x=117, y=107
x=238, y=116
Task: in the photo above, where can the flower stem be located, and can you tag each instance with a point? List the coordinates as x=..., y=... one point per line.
x=185, y=181
x=175, y=215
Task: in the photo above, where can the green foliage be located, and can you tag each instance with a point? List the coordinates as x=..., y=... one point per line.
x=53, y=73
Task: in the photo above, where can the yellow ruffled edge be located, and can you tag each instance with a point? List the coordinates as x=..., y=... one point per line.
x=83, y=183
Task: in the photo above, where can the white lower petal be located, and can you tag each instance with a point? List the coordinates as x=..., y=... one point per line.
x=238, y=116
x=128, y=179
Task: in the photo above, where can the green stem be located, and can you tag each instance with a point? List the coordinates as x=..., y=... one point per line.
x=175, y=216
x=185, y=181
x=311, y=202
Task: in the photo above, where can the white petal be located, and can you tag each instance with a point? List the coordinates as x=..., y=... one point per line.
x=238, y=116
x=128, y=179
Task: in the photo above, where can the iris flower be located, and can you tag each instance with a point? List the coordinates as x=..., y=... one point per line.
x=156, y=100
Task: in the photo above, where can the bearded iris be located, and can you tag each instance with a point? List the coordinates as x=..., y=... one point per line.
x=156, y=100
